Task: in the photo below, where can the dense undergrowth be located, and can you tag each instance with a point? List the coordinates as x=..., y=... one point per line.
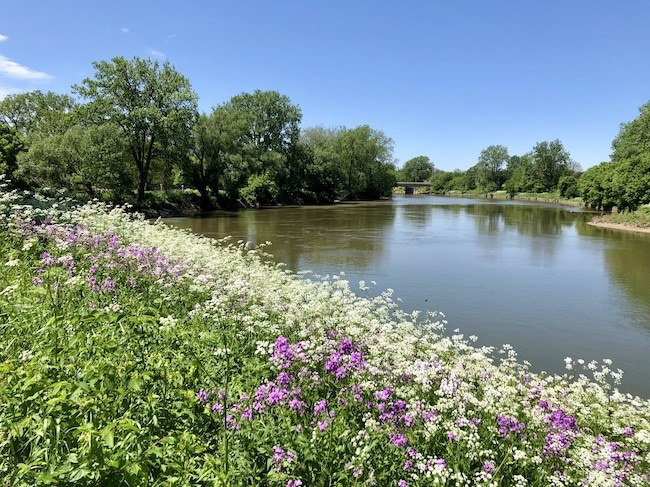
x=135, y=354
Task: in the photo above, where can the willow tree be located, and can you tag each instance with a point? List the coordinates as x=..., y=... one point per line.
x=152, y=104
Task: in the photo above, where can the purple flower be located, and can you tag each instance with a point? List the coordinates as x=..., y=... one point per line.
x=284, y=378
x=562, y=421
x=203, y=396
x=509, y=424
x=383, y=395
x=37, y=281
x=489, y=467
x=320, y=407
x=294, y=483
x=247, y=414
x=322, y=425
x=440, y=463
x=346, y=346
x=108, y=285
x=278, y=454
x=402, y=483
x=398, y=439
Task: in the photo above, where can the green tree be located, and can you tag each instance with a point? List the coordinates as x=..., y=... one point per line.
x=521, y=175
x=153, y=105
x=489, y=168
x=323, y=172
x=270, y=127
x=215, y=146
x=550, y=162
x=633, y=139
x=35, y=114
x=11, y=144
x=568, y=187
x=625, y=181
x=366, y=157
x=85, y=159
x=440, y=181
x=419, y=168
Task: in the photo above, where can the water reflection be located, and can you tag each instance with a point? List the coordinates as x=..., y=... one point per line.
x=306, y=238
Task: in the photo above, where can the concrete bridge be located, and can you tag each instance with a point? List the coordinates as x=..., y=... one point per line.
x=411, y=185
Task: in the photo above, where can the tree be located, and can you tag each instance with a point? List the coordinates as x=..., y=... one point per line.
x=323, y=172
x=215, y=145
x=154, y=107
x=86, y=159
x=270, y=126
x=11, y=144
x=633, y=139
x=521, y=177
x=624, y=182
x=417, y=169
x=36, y=115
x=489, y=168
x=550, y=162
x=366, y=157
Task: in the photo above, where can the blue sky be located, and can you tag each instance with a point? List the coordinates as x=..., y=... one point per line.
x=442, y=79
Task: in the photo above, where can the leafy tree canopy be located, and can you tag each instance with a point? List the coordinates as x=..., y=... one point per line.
x=417, y=169
x=36, y=114
x=152, y=104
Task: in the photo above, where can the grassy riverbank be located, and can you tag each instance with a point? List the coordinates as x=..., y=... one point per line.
x=638, y=220
x=134, y=354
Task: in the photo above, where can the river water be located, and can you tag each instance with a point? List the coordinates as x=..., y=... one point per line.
x=532, y=275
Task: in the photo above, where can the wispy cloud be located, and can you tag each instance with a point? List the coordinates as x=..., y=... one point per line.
x=12, y=69
x=3, y=38
x=5, y=91
x=157, y=54
x=125, y=30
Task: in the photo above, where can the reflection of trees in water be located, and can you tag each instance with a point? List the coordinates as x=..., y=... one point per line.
x=628, y=266
x=503, y=222
x=525, y=219
x=335, y=237
x=418, y=215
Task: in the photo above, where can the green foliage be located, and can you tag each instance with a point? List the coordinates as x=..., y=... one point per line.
x=633, y=139
x=11, y=144
x=550, y=161
x=624, y=184
x=87, y=160
x=568, y=187
x=366, y=157
x=260, y=190
x=35, y=115
x=489, y=168
x=417, y=169
x=153, y=105
x=323, y=173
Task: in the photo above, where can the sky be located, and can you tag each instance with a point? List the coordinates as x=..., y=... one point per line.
x=442, y=79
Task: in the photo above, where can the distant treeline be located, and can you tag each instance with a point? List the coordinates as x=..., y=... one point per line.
x=135, y=126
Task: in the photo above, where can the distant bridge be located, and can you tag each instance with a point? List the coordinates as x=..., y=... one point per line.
x=411, y=185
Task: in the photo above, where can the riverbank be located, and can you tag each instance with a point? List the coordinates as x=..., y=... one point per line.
x=619, y=226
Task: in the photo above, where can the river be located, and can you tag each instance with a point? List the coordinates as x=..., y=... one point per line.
x=532, y=275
